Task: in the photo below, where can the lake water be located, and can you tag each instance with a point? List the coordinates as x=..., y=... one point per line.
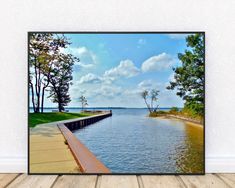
x=131, y=142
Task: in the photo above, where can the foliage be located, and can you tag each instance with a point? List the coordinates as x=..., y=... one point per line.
x=83, y=101
x=189, y=78
x=174, y=110
x=39, y=58
x=144, y=94
x=60, y=80
x=152, y=96
x=45, y=59
x=39, y=118
x=157, y=113
x=191, y=112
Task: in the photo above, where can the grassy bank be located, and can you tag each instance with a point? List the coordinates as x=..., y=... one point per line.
x=39, y=118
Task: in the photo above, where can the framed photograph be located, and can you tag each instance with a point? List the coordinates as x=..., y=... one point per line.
x=116, y=102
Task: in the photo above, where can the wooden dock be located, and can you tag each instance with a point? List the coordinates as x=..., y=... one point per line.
x=55, y=151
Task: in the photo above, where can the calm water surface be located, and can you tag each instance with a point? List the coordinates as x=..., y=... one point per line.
x=130, y=142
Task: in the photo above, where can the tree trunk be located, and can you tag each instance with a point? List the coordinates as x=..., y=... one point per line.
x=39, y=88
x=151, y=104
x=42, y=104
x=43, y=92
x=32, y=91
x=60, y=107
x=36, y=87
x=147, y=106
x=156, y=108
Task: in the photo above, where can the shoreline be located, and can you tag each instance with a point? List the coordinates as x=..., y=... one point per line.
x=193, y=123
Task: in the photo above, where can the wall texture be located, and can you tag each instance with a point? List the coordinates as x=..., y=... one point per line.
x=217, y=18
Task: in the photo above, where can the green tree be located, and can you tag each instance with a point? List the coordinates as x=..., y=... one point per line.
x=152, y=96
x=60, y=79
x=144, y=94
x=189, y=78
x=44, y=49
x=83, y=101
x=40, y=49
x=154, y=93
x=174, y=110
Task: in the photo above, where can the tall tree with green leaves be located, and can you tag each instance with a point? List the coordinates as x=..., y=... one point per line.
x=60, y=79
x=41, y=53
x=189, y=78
x=44, y=55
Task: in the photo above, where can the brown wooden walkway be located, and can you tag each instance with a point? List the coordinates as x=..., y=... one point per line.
x=53, y=151
x=93, y=181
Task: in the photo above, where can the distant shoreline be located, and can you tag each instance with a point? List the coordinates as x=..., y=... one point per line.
x=105, y=108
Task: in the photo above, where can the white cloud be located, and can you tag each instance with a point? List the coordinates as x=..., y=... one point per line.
x=159, y=62
x=96, y=92
x=178, y=36
x=126, y=68
x=89, y=78
x=82, y=50
x=84, y=65
x=172, y=77
x=143, y=85
x=146, y=84
x=87, y=58
x=108, y=91
x=150, y=84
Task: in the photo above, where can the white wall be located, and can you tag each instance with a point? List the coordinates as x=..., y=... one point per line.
x=217, y=18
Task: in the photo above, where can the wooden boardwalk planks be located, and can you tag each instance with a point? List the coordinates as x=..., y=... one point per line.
x=163, y=181
x=117, y=181
x=228, y=178
x=25, y=181
x=206, y=181
x=5, y=179
x=86, y=181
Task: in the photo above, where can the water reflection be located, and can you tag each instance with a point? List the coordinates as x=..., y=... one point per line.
x=190, y=152
x=130, y=142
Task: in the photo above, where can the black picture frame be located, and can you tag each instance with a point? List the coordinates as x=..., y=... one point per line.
x=116, y=32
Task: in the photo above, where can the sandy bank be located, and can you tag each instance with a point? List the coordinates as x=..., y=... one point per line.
x=190, y=122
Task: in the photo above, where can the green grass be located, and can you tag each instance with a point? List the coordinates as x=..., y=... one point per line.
x=39, y=118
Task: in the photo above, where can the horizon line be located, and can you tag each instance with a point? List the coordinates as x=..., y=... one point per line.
x=108, y=107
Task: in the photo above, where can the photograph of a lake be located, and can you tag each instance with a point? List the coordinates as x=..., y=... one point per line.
x=131, y=142
x=116, y=103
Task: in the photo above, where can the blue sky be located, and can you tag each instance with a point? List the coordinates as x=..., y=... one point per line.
x=115, y=68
